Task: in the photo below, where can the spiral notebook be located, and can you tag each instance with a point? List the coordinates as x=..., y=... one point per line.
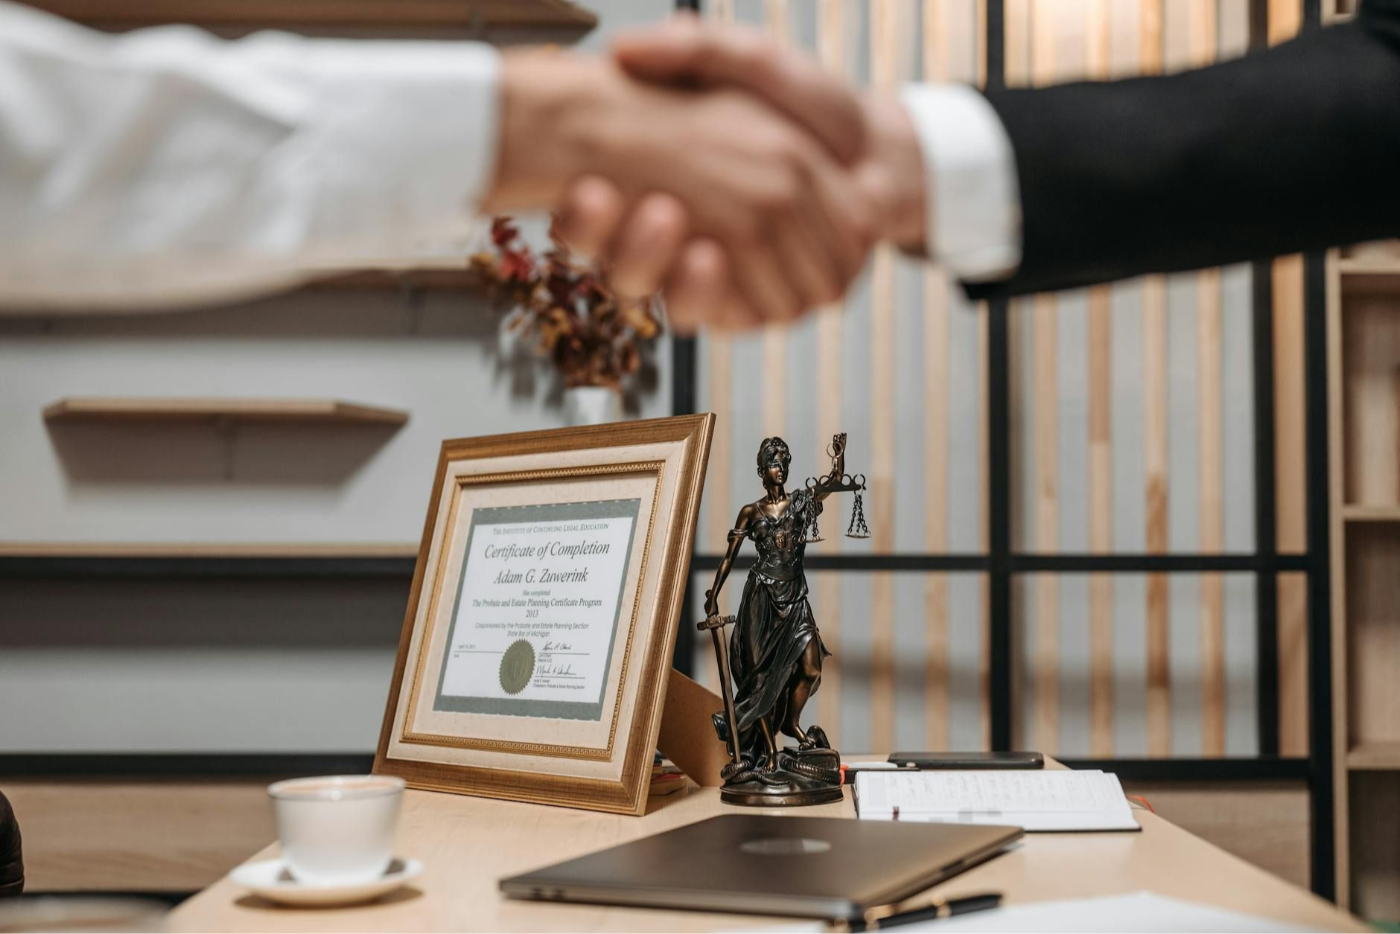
x=1038, y=801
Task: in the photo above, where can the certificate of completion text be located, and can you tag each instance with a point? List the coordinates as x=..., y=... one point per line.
x=537, y=610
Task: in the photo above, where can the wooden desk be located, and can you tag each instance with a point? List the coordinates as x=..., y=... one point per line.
x=468, y=844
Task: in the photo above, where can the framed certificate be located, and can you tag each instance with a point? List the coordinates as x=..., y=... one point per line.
x=538, y=638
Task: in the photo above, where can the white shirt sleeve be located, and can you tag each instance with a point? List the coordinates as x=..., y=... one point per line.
x=167, y=166
x=974, y=202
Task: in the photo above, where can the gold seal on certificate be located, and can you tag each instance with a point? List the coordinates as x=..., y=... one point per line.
x=517, y=665
x=537, y=645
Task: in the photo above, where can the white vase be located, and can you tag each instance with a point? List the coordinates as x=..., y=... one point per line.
x=592, y=405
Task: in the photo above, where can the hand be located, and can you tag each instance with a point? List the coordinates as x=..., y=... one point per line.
x=874, y=134
x=766, y=219
x=711, y=604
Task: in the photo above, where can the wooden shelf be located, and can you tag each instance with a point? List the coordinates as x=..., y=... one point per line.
x=1369, y=274
x=268, y=550
x=1371, y=513
x=1374, y=756
x=324, y=14
x=305, y=411
x=406, y=280
x=1369, y=265
x=66, y=561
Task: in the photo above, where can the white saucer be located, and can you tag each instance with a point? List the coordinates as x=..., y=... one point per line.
x=271, y=879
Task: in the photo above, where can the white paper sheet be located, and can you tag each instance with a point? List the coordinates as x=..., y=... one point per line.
x=1132, y=913
x=1139, y=912
x=1036, y=800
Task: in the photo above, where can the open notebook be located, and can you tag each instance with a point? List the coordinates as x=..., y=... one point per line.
x=1044, y=801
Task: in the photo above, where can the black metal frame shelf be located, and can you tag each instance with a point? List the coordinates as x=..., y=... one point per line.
x=165, y=567
x=283, y=765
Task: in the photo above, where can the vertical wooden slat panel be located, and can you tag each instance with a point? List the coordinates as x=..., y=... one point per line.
x=1100, y=521
x=1292, y=665
x=1018, y=38
x=1203, y=44
x=775, y=17
x=1158, y=636
x=1290, y=498
x=984, y=673
x=936, y=516
x=1290, y=503
x=1212, y=511
x=830, y=45
x=980, y=27
x=884, y=57
x=1285, y=19
x=1045, y=665
x=1100, y=355
x=1154, y=374
x=936, y=49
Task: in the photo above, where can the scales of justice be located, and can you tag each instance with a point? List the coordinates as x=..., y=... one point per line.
x=772, y=664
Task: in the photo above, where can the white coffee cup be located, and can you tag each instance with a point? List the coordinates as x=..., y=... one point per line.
x=337, y=830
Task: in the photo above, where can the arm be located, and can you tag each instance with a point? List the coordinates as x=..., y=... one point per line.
x=1027, y=190
x=167, y=165
x=1294, y=148
x=736, y=541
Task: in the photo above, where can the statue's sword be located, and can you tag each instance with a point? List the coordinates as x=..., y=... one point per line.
x=715, y=624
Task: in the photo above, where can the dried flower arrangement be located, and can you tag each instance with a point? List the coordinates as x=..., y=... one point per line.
x=594, y=336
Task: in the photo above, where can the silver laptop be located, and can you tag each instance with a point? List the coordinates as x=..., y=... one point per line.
x=818, y=867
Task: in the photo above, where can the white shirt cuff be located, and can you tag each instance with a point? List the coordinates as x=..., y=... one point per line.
x=974, y=201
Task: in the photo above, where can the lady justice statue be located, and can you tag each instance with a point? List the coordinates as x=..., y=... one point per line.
x=775, y=651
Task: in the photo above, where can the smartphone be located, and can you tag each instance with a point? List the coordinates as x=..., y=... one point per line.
x=969, y=760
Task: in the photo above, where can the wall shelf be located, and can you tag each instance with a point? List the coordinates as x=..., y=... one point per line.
x=406, y=280
x=164, y=561
x=221, y=411
x=1374, y=756
x=1369, y=273
x=324, y=14
x=205, y=550
x=1371, y=513
x=1369, y=266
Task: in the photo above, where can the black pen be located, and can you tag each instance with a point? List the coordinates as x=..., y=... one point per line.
x=874, y=920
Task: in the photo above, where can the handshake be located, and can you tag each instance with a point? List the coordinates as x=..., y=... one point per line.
x=711, y=163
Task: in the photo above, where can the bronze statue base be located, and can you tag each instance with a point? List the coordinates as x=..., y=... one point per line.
x=802, y=777
x=762, y=796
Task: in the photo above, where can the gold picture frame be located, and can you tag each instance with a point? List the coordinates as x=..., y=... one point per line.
x=465, y=715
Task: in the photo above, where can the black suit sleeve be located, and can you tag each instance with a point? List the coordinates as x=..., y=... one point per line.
x=1290, y=149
